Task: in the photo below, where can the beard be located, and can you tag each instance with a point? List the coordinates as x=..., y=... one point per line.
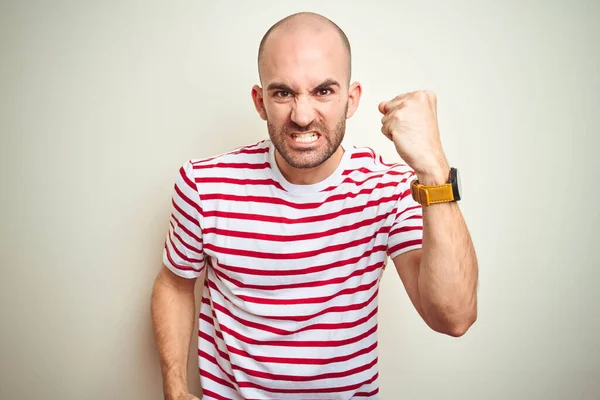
x=307, y=158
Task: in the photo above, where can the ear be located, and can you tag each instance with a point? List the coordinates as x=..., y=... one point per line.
x=354, y=93
x=259, y=104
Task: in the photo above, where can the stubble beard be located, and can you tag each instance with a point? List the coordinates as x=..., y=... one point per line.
x=307, y=158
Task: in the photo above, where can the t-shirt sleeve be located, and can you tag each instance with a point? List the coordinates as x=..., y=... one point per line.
x=183, y=253
x=407, y=229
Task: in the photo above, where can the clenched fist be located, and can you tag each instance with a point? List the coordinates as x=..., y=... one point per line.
x=410, y=121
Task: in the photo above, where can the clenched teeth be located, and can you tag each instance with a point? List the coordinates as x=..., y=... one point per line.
x=305, y=137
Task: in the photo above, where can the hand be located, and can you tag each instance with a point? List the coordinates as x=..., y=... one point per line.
x=410, y=121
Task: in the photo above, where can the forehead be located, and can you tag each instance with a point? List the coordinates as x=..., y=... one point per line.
x=304, y=58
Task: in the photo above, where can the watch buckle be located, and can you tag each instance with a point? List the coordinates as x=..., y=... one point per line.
x=420, y=195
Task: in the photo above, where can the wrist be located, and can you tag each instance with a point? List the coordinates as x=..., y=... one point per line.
x=175, y=388
x=176, y=395
x=434, y=176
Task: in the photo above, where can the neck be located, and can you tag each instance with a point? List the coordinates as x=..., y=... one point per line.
x=309, y=176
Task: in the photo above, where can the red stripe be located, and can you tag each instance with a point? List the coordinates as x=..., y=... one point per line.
x=302, y=220
x=253, y=385
x=193, y=204
x=358, y=183
x=209, y=319
x=405, y=229
x=278, y=331
x=299, y=206
x=411, y=208
x=206, y=393
x=215, y=378
x=187, y=180
x=250, y=149
x=233, y=181
x=186, y=245
x=334, y=309
x=294, y=256
x=309, y=284
x=284, y=360
x=386, y=164
x=367, y=394
x=309, y=300
x=186, y=230
x=299, y=378
x=179, y=266
x=180, y=254
x=366, y=170
x=303, y=271
x=407, y=193
x=290, y=343
x=211, y=340
x=234, y=165
x=404, y=245
x=362, y=155
x=303, y=361
x=311, y=390
x=184, y=214
x=212, y=359
x=408, y=209
x=299, y=237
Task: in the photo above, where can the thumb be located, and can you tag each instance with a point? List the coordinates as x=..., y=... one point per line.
x=382, y=106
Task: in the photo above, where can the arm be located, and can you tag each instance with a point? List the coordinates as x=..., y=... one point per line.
x=441, y=279
x=173, y=303
x=173, y=313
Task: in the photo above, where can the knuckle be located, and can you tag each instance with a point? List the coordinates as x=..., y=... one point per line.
x=421, y=95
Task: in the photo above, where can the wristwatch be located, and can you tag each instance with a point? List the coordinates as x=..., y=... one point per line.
x=447, y=192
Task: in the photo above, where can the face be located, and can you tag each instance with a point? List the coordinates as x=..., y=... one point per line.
x=305, y=98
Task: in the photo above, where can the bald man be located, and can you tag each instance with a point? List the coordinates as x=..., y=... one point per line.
x=290, y=235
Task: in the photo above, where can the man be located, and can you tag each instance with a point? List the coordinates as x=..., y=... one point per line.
x=293, y=233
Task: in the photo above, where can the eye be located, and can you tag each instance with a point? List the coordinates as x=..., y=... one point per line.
x=282, y=94
x=324, y=92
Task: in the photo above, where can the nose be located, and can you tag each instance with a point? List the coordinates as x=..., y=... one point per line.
x=303, y=112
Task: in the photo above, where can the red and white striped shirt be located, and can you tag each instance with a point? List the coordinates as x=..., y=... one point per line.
x=289, y=308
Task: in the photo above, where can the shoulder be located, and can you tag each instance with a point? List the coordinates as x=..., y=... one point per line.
x=251, y=153
x=253, y=156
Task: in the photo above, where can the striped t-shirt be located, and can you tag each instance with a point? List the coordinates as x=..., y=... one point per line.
x=289, y=307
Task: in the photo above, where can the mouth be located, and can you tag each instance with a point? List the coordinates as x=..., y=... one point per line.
x=305, y=138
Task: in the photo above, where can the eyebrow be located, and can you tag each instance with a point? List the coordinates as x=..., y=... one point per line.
x=279, y=86
x=282, y=86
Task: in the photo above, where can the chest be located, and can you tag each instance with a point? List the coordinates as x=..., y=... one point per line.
x=248, y=235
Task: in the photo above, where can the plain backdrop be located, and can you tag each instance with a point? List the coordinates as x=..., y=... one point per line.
x=101, y=102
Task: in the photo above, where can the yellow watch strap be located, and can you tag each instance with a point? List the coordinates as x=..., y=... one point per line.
x=427, y=195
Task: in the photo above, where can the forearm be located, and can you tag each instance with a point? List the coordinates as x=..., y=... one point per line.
x=173, y=311
x=448, y=270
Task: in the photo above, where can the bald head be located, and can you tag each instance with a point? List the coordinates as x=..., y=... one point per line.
x=304, y=23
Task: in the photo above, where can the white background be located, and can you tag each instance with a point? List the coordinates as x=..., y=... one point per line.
x=101, y=102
